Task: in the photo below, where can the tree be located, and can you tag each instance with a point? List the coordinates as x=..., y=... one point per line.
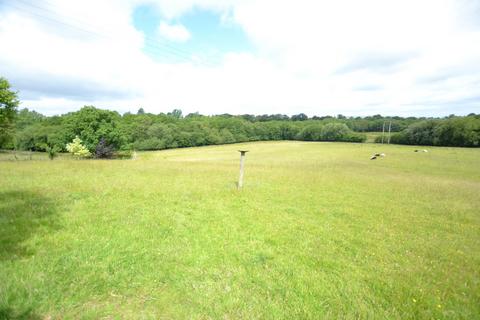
x=334, y=132
x=299, y=117
x=141, y=111
x=8, y=109
x=91, y=124
x=77, y=148
x=176, y=113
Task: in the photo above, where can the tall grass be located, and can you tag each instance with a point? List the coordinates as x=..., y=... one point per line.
x=319, y=231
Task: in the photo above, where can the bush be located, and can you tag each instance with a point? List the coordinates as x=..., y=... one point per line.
x=335, y=132
x=354, y=137
x=52, y=151
x=103, y=150
x=76, y=148
x=150, y=144
x=311, y=132
x=124, y=154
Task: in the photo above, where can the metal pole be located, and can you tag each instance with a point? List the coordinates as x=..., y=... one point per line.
x=242, y=164
x=389, y=127
x=383, y=131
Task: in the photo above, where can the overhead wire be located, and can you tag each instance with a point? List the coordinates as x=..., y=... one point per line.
x=162, y=49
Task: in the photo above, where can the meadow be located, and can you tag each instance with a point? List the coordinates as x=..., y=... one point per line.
x=319, y=231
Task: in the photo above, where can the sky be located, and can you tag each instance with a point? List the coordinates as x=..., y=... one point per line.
x=350, y=57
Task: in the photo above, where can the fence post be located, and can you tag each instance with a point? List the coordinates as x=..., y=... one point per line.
x=242, y=164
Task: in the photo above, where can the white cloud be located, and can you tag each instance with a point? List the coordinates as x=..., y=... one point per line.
x=318, y=57
x=174, y=32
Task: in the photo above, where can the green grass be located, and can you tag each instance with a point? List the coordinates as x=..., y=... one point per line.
x=319, y=231
x=371, y=136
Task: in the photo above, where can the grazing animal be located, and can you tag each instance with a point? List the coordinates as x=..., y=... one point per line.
x=382, y=154
x=424, y=150
x=373, y=157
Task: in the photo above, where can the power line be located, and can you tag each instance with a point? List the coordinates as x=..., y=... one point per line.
x=172, y=51
x=150, y=43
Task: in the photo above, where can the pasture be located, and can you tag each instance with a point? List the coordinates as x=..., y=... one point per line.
x=318, y=231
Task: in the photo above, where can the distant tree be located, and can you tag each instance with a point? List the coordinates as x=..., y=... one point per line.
x=193, y=115
x=299, y=117
x=163, y=131
x=141, y=111
x=8, y=109
x=312, y=132
x=334, y=132
x=91, y=124
x=176, y=113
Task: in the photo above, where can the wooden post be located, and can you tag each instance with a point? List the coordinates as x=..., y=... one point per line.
x=242, y=164
x=383, y=131
x=389, y=127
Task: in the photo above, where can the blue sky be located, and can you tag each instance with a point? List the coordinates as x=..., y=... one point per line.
x=393, y=57
x=210, y=37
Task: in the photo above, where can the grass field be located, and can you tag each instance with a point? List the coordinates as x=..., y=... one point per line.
x=371, y=136
x=319, y=231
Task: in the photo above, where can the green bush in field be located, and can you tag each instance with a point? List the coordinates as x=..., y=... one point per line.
x=104, y=150
x=334, y=132
x=77, y=148
x=52, y=151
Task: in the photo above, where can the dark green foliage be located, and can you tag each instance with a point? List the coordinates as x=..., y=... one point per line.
x=330, y=132
x=146, y=131
x=8, y=108
x=453, y=131
x=103, y=150
x=91, y=124
x=300, y=117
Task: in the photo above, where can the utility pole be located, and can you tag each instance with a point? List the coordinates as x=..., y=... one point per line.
x=383, y=131
x=389, y=129
x=242, y=164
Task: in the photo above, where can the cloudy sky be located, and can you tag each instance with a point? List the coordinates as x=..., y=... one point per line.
x=394, y=57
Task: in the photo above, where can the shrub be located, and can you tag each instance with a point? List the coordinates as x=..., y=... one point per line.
x=335, y=132
x=124, y=154
x=52, y=151
x=354, y=137
x=150, y=144
x=103, y=150
x=311, y=132
x=77, y=149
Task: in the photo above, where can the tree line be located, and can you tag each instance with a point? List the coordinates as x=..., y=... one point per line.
x=104, y=130
x=453, y=131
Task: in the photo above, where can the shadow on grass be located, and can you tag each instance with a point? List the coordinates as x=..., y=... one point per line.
x=24, y=214
x=7, y=313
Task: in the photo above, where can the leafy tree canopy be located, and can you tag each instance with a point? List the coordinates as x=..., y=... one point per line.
x=8, y=108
